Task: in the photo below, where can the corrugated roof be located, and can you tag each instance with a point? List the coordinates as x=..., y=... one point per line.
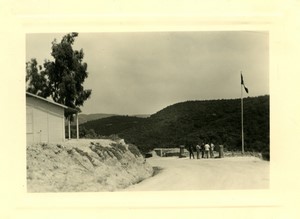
x=52, y=102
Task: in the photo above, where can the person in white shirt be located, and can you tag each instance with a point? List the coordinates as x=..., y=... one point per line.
x=206, y=148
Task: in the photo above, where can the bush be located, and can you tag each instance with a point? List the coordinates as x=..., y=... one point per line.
x=85, y=154
x=134, y=150
x=44, y=145
x=266, y=154
x=116, y=153
x=118, y=146
x=114, y=137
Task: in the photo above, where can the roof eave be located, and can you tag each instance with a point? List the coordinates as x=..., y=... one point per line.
x=68, y=109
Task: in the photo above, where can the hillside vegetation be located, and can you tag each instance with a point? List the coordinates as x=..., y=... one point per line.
x=191, y=122
x=83, y=118
x=110, y=125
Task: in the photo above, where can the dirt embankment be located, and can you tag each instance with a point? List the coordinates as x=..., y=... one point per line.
x=84, y=166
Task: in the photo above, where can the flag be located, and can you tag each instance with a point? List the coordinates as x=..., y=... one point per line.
x=242, y=82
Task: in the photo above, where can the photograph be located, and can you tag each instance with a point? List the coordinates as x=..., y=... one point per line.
x=150, y=109
x=147, y=111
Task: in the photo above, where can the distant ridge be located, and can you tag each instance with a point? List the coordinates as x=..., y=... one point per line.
x=141, y=115
x=112, y=125
x=83, y=118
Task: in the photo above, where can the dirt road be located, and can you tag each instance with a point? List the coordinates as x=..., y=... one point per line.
x=206, y=174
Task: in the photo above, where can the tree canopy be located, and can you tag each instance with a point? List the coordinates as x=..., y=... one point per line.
x=61, y=79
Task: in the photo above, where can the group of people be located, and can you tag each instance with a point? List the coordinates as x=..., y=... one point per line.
x=207, y=150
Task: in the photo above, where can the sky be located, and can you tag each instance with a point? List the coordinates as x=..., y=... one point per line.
x=143, y=72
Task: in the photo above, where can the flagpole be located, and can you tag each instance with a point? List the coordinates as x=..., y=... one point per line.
x=242, y=117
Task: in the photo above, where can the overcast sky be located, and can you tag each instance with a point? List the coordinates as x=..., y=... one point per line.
x=142, y=73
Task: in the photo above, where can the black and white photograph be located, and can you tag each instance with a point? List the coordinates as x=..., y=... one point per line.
x=147, y=111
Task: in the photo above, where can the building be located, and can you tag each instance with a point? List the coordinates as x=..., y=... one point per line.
x=45, y=120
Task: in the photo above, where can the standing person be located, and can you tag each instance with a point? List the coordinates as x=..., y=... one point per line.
x=191, y=151
x=206, y=147
x=211, y=150
x=202, y=150
x=198, y=148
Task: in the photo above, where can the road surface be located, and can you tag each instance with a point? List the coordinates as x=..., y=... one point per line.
x=205, y=174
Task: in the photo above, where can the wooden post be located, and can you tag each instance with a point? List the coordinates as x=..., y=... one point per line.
x=242, y=118
x=77, y=127
x=242, y=111
x=63, y=128
x=69, y=127
x=181, y=151
x=221, y=151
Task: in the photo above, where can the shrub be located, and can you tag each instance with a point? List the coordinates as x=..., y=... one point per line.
x=44, y=145
x=85, y=154
x=265, y=154
x=114, y=137
x=134, y=150
x=117, y=154
x=118, y=146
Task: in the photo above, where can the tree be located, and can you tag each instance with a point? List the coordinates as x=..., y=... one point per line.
x=62, y=78
x=36, y=79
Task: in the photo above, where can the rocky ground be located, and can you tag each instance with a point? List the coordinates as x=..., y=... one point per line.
x=84, y=166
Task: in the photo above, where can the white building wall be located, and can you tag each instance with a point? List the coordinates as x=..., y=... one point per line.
x=44, y=121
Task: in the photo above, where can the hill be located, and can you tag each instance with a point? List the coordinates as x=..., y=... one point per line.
x=83, y=118
x=88, y=117
x=112, y=125
x=191, y=122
